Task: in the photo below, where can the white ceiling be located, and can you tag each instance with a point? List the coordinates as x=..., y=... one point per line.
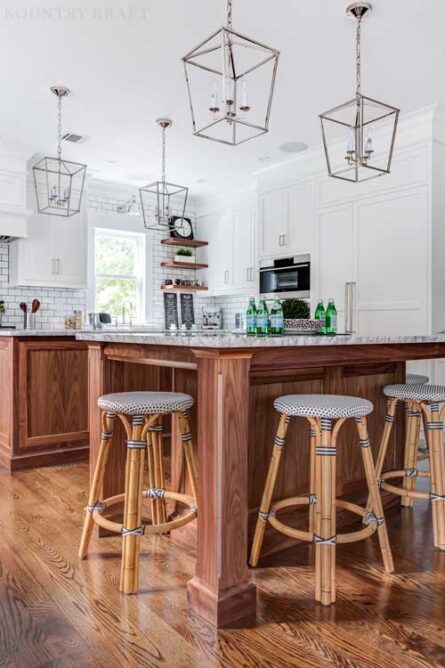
x=126, y=71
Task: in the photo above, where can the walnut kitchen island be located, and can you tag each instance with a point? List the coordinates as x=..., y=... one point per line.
x=235, y=380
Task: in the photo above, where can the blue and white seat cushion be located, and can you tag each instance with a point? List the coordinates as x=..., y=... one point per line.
x=416, y=379
x=419, y=392
x=329, y=406
x=145, y=403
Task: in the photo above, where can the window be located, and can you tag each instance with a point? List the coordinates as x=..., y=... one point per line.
x=119, y=270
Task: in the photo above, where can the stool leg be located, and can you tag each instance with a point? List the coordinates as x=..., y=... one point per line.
x=437, y=463
x=266, y=501
x=325, y=518
x=190, y=457
x=374, y=494
x=132, y=525
x=312, y=481
x=96, y=486
x=413, y=415
x=151, y=476
x=389, y=421
x=158, y=468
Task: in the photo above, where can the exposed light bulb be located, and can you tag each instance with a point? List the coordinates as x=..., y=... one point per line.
x=244, y=104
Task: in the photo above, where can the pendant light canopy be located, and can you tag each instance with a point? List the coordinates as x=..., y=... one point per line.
x=160, y=200
x=58, y=182
x=359, y=135
x=230, y=80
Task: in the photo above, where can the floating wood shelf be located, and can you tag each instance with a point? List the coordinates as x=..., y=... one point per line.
x=190, y=243
x=184, y=265
x=182, y=288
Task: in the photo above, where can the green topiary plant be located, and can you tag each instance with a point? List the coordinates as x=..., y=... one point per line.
x=296, y=309
x=185, y=252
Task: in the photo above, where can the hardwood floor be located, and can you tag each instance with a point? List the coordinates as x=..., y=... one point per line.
x=57, y=611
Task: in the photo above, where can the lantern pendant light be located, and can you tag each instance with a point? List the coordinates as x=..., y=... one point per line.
x=160, y=200
x=359, y=135
x=230, y=81
x=58, y=182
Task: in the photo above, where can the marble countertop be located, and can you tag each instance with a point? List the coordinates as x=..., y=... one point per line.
x=38, y=332
x=220, y=339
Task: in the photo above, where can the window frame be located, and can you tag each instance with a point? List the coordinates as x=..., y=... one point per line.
x=139, y=310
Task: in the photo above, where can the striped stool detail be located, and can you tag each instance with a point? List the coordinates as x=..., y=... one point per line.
x=141, y=414
x=326, y=414
x=426, y=401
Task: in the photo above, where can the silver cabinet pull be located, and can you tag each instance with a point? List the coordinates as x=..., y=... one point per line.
x=284, y=239
x=350, y=307
x=279, y=240
x=248, y=274
x=53, y=266
x=226, y=276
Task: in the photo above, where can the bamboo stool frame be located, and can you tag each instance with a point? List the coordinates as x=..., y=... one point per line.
x=433, y=417
x=323, y=503
x=144, y=435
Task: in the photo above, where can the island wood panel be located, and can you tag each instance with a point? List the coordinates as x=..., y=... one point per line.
x=44, y=396
x=7, y=399
x=52, y=400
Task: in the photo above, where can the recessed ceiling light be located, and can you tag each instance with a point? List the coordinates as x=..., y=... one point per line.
x=293, y=147
x=112, y=162
x=264, y=158
x=201, y=181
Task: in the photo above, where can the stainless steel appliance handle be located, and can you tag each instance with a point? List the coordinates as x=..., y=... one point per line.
x=288, y=268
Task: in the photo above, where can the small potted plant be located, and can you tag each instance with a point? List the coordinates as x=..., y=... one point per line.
x=184, y=255
x=2, y=311
x=296, y=314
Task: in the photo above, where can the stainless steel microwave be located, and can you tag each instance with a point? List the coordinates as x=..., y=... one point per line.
x=286, y=277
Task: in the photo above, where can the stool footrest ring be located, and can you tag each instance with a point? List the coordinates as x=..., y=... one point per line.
x=410, y=493
x=373, y=522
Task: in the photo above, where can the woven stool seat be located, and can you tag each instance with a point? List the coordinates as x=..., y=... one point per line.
x=416, y=379
x=145, y=403
x=420, y=392
x=323, y=406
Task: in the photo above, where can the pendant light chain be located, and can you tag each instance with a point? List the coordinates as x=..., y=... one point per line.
x=59, y=127
x=229, y=14
x=358, y=55
x=163, y=155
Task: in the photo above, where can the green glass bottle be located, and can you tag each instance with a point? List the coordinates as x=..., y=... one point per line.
x=331, y=318
x=251, y=315
x=276, y=318
x=262, y=319
x=321, y=315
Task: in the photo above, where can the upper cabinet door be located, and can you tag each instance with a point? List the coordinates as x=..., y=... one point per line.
x=70, y=251
x=392, y=260
x=300, y=228
x=220, y=236
x=32, y=260
x=245, y=273
x=274, y=215
x=336, y=264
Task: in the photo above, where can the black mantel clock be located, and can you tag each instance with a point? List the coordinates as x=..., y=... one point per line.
x=180, y=227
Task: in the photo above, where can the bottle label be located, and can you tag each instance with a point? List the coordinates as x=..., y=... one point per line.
x=262, y=322
x=276, y=322
x=251, y=322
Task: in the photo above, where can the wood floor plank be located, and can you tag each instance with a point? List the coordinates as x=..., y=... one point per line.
x=57, y=611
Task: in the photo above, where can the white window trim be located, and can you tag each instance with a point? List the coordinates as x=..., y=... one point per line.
x=140, y=278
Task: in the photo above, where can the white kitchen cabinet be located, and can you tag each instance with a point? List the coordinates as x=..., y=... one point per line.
x=380, y=243
x=274, y=208
x=286, y=221
x=336, y=263
x=245, y=270
x=53, y=255
x=231, y=255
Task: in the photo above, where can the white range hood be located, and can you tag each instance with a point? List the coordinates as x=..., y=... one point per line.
x=13, y=212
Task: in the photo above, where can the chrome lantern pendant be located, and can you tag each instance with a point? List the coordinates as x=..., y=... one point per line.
x=359, y=136
x=230, y=80
x=58, y=182
x=160, y=200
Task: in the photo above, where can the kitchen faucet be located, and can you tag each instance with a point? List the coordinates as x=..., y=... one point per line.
x=130, y=309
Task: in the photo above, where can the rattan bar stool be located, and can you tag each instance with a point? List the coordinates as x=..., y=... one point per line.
x=421, y=400
x=326, y=415
x=141, y=414
x=416, y=379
